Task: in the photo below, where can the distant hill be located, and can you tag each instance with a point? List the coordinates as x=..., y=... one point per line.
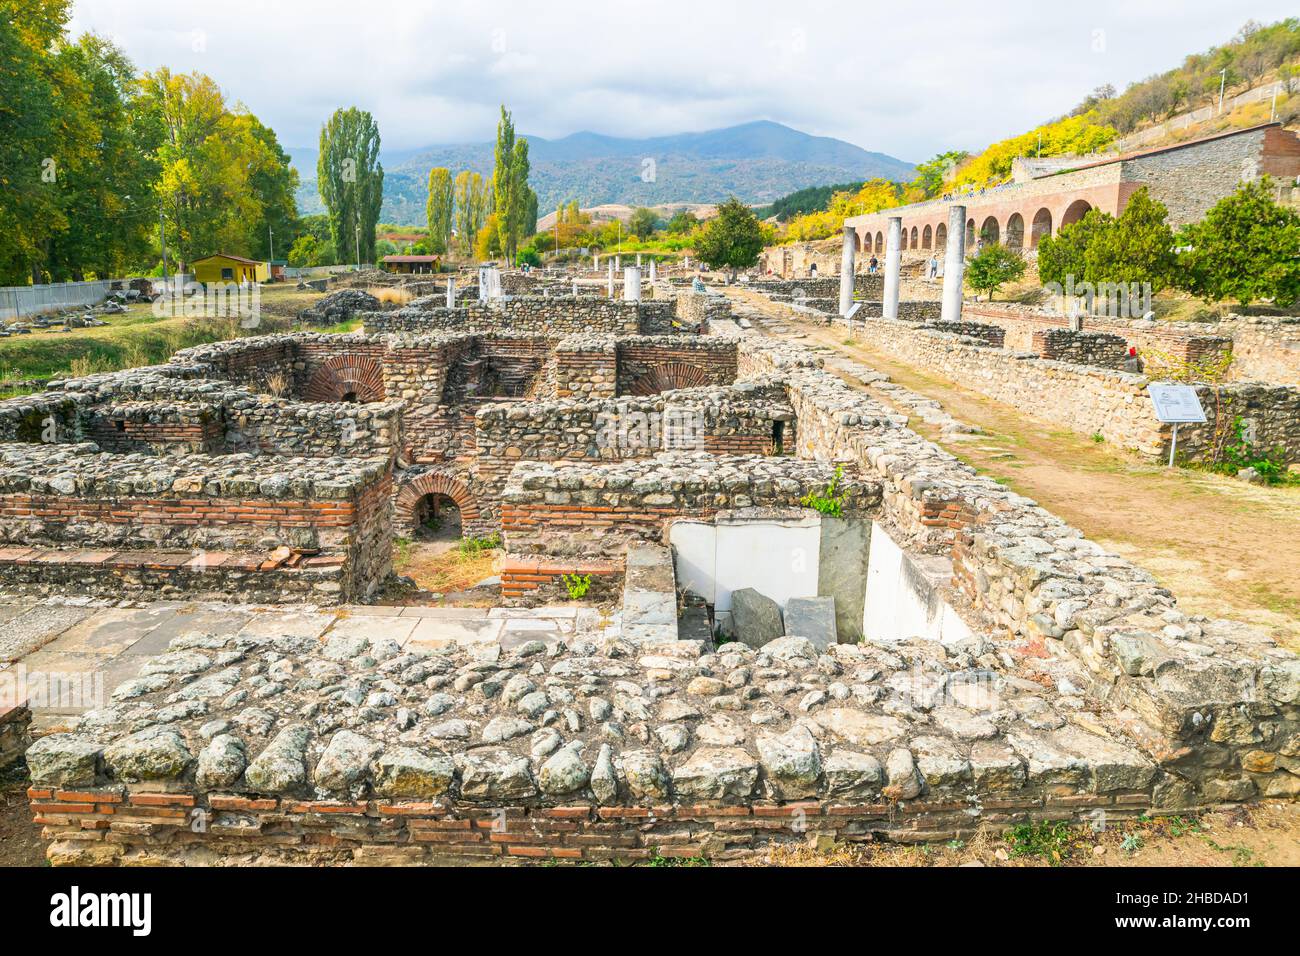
x=757, y=162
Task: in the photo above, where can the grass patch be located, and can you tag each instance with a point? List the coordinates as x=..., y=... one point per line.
x=445, y=569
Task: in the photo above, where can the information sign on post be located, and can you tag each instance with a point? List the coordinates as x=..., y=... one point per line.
x=1176, y=405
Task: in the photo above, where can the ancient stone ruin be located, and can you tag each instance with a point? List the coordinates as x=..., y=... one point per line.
x=804, y=621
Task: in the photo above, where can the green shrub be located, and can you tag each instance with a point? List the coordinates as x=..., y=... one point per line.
x=830, y=502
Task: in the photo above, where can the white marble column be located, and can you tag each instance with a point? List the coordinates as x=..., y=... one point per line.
x=893, y=263
x=846, y=271
x=610, y=279
x=631, y=284
x=954, y=264
x=451, y=293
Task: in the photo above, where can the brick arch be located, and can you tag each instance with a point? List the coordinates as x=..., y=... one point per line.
x=668, y=376
x=432, y=483
x=341, y=375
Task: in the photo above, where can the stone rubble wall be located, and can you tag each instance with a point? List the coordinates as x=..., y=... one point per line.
x=1081, y=689
x=567, y=508
x=1216, y=703
x=284, y=750
x=1086, y=399
x=15, y=734
x=717, y=420
x=95, y=516
x=699, y=310
x=1262, y=349
x=556, y=316
x=1082, y=348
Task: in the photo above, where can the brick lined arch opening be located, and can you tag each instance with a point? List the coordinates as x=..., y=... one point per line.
x=1075, y=211
x=927, y=238
x=913, y=242
x=346, y=378
x=1040, y=227
x=433, y=495
x=940, y=236
x=1016, y=231
x=668, y=376
x=880, y=242
x=970, y=234
x=989, y=230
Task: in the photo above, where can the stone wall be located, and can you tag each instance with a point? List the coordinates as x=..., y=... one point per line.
x=553, y=316
x=1082, y=348
x=95, y=517
x=15, y=735
x=719, y=421
x=598, y=748
x=1185, y=342
x=1085, y=399
x=571, y=509
x=654, y=751
x=1213, y=702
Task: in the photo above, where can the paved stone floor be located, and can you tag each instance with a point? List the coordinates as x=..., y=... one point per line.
x=70, y=658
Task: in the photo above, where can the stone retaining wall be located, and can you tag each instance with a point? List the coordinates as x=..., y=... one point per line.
x=95, y=518
x=1085, y=399
x=1082, y=348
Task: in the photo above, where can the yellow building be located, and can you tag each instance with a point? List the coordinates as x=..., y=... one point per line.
x=407, y=265
x=227, y=268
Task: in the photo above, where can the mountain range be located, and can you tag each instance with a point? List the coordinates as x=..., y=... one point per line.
x=756, y=162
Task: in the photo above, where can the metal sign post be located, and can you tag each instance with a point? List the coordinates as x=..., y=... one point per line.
x=1176, y=405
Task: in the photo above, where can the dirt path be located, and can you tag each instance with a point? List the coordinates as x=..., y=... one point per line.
x=1225, y=548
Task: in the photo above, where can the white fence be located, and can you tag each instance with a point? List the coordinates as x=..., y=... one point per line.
x=20, y=301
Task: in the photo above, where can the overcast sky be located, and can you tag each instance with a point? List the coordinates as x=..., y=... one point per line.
x=905, y=79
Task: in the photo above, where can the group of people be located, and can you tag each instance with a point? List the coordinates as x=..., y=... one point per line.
x=931, y=267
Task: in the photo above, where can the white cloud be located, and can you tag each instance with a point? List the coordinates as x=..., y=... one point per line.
x=901, y=79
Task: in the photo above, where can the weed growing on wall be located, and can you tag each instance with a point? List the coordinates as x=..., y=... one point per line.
x=831, y=501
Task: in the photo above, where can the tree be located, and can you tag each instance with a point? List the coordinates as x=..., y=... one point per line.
x=105, y=188
x=472, y=196
x=733, y=239
x=1062, y=259
x=1244, y=249
x=643, y=222
x=439, y=208
x=993, y=267
x=1136, y=247
x=505, y=186
x=683, y=221
x=274, y=183
x=528, y=218
x=932, y=176
x=221, y=170
x=488, y=244
x=351, y=180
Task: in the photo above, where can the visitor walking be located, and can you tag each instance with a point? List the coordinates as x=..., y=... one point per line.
x=872, y=265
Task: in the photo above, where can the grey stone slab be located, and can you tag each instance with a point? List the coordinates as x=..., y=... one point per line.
x=432, y=633
x=693, y=625
x=36, y=627
x=842, y=571
x=755, y=617
x=813, y=618
x=189, y=622
x=448, y=613
x=111, y=631
x=287, y=624
x=374, y=628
